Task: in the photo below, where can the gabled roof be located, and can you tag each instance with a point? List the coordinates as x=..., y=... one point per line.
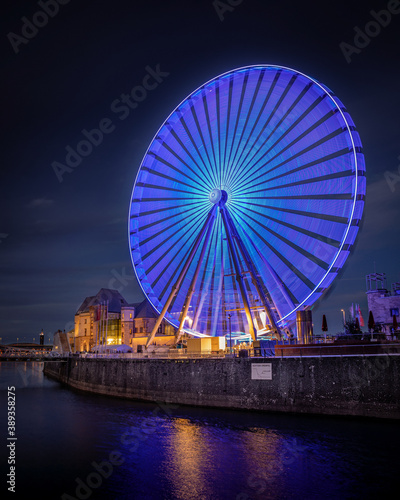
x=85, y=305
x=105, y=296
x=145, y=310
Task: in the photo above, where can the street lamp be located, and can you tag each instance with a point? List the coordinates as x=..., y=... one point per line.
x=344, y=317
x=230, y=334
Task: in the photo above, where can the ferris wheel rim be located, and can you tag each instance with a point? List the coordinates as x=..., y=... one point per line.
x=354, y=152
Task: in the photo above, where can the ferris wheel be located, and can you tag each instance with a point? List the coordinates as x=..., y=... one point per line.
x=246, y=203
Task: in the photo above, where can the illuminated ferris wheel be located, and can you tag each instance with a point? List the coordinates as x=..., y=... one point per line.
x=246, y=203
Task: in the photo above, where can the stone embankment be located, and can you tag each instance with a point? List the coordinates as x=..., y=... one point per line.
x=364, y=386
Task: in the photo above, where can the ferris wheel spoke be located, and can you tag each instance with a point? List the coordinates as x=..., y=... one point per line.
x=247, y=160
x=314, y=215
x=158, y=210
x=233, y=146
x=306, y=134
x=228, y=103
x=163, y=188
x=322, y=264
x=205, y=146
x=184, y=230
x=212, y=138
x=186, y=244
x=195, y=171
x=298, y=228
x=302, y=117
x=159, y=233
x=247, y=123
x=263, y=172
x=288, y=296
x=161, y=176
x=218, y=135
x=310, y=285
x=289, y=111
x=178, y=171
x=156, y=222
x=194, y=144
x=318, y=183
x=272, y=114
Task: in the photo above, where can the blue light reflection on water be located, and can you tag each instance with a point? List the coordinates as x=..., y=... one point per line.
x=177, y=452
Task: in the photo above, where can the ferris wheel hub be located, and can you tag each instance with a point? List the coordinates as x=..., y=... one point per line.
x=218, y=196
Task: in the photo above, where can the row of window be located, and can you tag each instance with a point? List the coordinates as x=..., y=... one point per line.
x=141, y=330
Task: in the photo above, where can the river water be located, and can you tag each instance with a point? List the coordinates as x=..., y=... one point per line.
x=72, y=445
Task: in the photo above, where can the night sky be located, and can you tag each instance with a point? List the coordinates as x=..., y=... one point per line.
x=63, y=241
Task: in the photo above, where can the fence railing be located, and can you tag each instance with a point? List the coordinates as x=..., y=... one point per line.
x=267, y=350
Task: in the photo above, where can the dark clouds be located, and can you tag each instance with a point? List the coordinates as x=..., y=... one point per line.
x=63, y=241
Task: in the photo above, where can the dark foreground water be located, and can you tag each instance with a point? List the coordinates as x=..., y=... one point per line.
x=77, y=446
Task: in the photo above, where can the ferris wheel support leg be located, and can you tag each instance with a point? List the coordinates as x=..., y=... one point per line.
x=239, y=277
x=194, y=280
x=277, y=280
x=176, y=287
x=253, y=272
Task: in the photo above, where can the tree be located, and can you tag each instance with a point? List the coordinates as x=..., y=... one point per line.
x=352, y=327
x=324, y=324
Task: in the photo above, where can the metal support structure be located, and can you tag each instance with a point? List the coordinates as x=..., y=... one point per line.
x=254, y=275
x=279, y=283
x=176, y=287
x=236, y=247
x=230, y=334
x=239, y=276
x=194, y=280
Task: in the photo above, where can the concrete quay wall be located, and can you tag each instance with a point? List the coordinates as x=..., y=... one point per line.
x=365, y=386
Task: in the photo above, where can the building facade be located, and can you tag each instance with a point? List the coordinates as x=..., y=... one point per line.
x=384, y=303
x=137, y=323
x=108, y=319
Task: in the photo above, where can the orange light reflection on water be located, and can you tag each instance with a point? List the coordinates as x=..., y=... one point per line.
x=196, y=456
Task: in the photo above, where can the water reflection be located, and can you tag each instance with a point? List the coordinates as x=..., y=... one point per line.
x=21, y=374
x=191, y=456
x=202, y=459
x=185, y=453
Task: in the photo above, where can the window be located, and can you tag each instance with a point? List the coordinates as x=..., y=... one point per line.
x=394, y=311
x=85, y=321
x=159, y=329
x=85, y=331
x=130, y=331
x=130, y=315
x=141, y=329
